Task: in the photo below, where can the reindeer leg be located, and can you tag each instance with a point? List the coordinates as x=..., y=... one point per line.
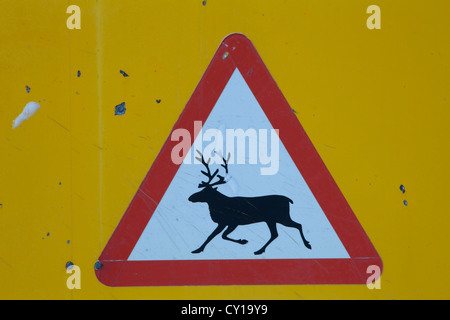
x=290, y=223
x=228, y=231
x=273, y=235
x=218, y=230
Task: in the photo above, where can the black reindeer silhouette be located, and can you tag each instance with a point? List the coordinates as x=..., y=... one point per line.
x=232, y=212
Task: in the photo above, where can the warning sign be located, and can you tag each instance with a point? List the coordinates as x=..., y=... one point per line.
x=237, y=195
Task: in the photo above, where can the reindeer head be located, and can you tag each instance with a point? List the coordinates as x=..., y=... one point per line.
x=208, y=191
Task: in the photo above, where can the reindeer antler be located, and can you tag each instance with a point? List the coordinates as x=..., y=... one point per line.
x=208, y=173
x=225, y=165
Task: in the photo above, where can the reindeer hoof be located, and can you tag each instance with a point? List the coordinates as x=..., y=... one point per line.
x=242, y=241
x=198, y=250
x=307, y=245
x=258, y=252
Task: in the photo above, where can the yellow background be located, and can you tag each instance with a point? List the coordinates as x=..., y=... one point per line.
x=375, y=103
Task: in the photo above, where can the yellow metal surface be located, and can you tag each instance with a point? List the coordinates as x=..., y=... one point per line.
x=375, y=103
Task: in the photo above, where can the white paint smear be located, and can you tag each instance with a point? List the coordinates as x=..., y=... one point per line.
x=27, y=112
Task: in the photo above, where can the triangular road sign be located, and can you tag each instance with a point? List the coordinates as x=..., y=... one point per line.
x=238, y=195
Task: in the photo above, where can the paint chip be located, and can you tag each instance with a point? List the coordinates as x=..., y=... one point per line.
x=28, y=89
x=225, y=55
x=402, y=188
x=28, y=111
x=78, y=73
x=120, y=109
x=158, y=100
x=98, y=265
x=69, y=265
x=124, y=73
x=405, y=202
x=204, y=2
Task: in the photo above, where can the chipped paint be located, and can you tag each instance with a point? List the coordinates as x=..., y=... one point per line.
x=69, y=265
x=98, y=265
x=29, y=110
x=120, y=109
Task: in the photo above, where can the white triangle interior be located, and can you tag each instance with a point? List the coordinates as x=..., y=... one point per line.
x=177, y=227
